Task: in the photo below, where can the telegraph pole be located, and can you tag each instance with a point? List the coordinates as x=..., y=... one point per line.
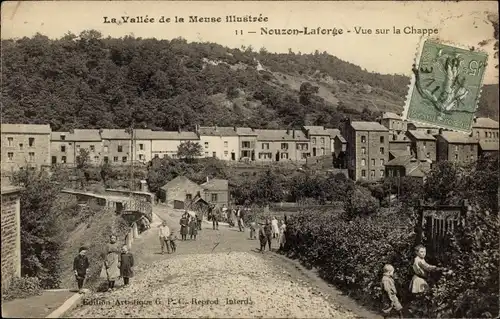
x=131, y=182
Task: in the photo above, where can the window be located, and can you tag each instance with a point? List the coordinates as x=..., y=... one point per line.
x=382, y=162
x=284, y=155
x=106, y=149
x=77, y=146
x=141, y=147
x=225, y=144
x=485, y=134
x=214, y=154
x=363, y=162
x=363, y=173
x=31, y=156
x=456, y=156
x=407, y=148
x=124, y=159
x=322, y=140
x=373, y=162
x=141, y=157
x=314, y=140
x=382, y=173
x=10, y=156
x=363, y=150
x=382, y=151
x=382, y=139
x=115, y=159
x=226, y=153
x=245, y=144
x=31, y=141
x=63, y=148
x=206, y=144
x=96, y=158
x=214, y=197
x=10, y=140
x=63, y=137
x=429, y=131
x=322, y=151
x=189, y=196
x=284, y=146
x=92, y=148
x=428, y=155
x=265, y=146
x=372, y=173
x=456, y=148
x=21, y=146
x=120, y=148
x=477, y=134
x=63, y=159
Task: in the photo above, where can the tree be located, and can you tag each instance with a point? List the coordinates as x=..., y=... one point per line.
x=82, y=164
x=360, y=202
x=41, y=238
x=189, y=150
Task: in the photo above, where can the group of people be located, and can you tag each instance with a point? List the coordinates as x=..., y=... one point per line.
x=117, y=263
x=225, y=214
x=190, y=225
x=418, y=284
x=269, y=230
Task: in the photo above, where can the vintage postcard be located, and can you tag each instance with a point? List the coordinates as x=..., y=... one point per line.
x=249, y=159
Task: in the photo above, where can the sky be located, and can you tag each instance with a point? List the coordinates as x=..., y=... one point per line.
x=462, y=23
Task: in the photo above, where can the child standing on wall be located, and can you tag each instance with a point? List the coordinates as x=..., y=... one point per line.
x=126, y=264
x=391, y=301
x=81, y=267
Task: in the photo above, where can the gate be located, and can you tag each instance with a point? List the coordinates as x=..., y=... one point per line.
x=436, y=225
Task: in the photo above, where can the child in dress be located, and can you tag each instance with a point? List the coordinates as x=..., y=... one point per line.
x=171, y=240
x=391, y=301
x=81, y=267
x=126, y=264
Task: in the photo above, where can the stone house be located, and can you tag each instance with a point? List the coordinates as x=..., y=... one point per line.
x=394, y=123
x=11, y=234
x=65, y=146
x=282, y=145
x=142, y=150
x=247, y=139
x=219, y=142
x=116, y=146
x=409, y=166
x=25, y=145
x=167, y=143
x=320, y=140
x=400, y=143
x=423, y=145
x=179, y=190
x=367, y=149
x=429, y=129
x=456, y=147
x=486, y=131
x=216, y=191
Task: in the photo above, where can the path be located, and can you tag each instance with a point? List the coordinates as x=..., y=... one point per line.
x=218, y=275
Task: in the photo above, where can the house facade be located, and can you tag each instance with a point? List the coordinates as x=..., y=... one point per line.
x=65, y=146
x=429, y=129
x=216, y=192
x=423, y=145
x=142, y=142
x=320, y=140
x=408, y=166
x=393, y=122
x=180, y=189
x=167, y=143
x=116, y=145
x=25, y=145
x=219, y=142
x=247, y=139
x=281, y=145
x=486, y=131
x=367, y=150
x=456, y=147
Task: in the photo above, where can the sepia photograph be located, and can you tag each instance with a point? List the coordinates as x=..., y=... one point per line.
x=250, y=159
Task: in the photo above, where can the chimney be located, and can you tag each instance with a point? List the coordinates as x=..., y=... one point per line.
x=293, y=132
x=234, y=128
x=441, y=131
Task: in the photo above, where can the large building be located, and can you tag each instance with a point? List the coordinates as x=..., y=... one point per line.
x=65, y=146
x=282, y=145
x=367, y=150
x=423, y=145
x=24, y=145
x=394, y=123
x=219, y=142
x=456, y=147
x=486, y=131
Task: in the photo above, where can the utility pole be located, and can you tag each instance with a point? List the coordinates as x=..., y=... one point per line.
x=131, y=182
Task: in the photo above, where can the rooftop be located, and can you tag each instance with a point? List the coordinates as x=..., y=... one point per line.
x=115, y=134
x=400, y=160
x=216, y=184
x=245, y=131
x=177, y=181
x=488, y=146
x=280, y=135
x=10, y=189
x=392, y=116
x=316, y=130
x=457, y=138
x=172, y=135
x=421, y=135
x=26, y=128
x=368, y=126
x=398, y=153
x=333, y=132
x=484, y=122
x=217, y=131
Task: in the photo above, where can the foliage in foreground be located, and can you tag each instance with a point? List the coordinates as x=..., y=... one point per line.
x=22, y=288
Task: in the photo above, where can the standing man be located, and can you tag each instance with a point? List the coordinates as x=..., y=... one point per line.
x=164, y=235
x=198, y=220
x=239, y=214
x=215, y=218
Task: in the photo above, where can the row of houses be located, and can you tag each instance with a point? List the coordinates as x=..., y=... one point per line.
x=368, y=150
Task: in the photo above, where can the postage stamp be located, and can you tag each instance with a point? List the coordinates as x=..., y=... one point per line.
x=446, y=86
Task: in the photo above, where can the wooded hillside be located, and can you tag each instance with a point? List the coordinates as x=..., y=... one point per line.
x=88, y=81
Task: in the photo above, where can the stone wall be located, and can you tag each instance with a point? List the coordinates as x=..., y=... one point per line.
x=11, y=236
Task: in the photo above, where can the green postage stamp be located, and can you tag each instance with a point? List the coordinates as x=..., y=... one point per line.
x=446, y=86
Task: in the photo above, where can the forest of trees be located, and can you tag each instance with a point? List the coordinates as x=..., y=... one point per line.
x=87, y=81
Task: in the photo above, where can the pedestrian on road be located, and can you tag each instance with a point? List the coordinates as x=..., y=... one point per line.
x=262, y=238
x=126, y=264
x=184, y=225
x=172, y=239
x=276, y=230
x=390, y=298
x=282, y=238
x=253, y=226
x=193, y=228
x=268, y=232
x=111, y=257
x=215, y=218
x=198, y=220
x=240, y=219
x=81, y=267
x=164, y=234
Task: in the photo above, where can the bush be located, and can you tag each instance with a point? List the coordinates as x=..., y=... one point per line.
x=360, y=202
x=22, y=288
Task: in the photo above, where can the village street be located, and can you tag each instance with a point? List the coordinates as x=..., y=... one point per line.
x=219, y=275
